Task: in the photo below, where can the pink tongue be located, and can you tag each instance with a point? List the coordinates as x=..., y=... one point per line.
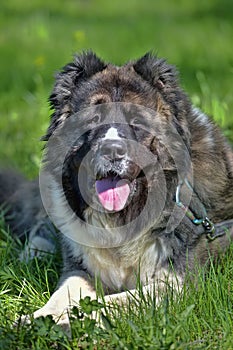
x=112, y=193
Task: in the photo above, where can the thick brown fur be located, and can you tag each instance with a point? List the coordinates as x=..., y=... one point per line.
x=152, y=83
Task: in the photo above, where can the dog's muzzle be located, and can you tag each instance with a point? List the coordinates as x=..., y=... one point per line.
x=115, y=175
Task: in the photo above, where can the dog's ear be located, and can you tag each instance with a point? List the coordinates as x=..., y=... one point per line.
x=156, y=71
x=164, y=77
x=83, y=67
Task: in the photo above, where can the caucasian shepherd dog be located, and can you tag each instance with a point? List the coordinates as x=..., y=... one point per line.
x=138, y=182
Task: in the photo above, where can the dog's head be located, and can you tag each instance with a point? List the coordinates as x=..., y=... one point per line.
x=129, y=128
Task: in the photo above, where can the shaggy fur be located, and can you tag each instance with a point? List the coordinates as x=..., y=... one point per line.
x=152, y=83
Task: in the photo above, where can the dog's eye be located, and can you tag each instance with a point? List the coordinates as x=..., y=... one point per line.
x=95, y=119
x=99, y=101
x=136, y=121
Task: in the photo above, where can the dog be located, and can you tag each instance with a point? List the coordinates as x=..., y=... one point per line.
x=138, y=182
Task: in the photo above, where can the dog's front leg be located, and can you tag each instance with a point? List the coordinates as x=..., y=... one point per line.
x=72, y=287
x=156, y=289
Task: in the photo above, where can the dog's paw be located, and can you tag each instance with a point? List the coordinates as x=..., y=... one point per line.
x=61, y=319
x=60, y=325
x=49, y=321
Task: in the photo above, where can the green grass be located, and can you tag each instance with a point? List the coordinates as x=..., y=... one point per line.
x=36, y=39
x=200, y=318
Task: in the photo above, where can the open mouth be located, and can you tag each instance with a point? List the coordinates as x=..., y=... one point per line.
x=113, y=191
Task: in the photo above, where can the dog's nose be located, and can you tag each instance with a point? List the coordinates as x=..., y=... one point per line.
x=113, y=149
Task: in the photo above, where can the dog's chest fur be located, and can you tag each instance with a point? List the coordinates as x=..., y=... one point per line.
x=123, y=267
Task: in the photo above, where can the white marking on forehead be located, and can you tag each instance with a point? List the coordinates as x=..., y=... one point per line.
x=111, y=134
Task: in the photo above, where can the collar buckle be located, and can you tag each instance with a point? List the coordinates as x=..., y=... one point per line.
x=209, y=228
